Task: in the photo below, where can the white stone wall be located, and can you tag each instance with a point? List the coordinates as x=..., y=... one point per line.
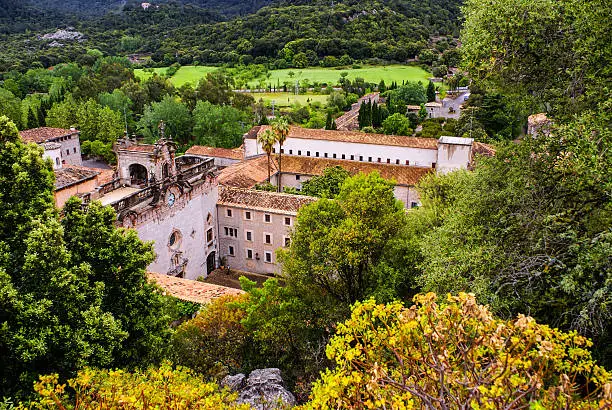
x=188, y=216
x=364, y=152
x=71, y=149
x=258, y=228
x=55, y=155
x=453, y=156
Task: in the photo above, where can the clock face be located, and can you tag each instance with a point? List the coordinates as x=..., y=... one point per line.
x=171, y=199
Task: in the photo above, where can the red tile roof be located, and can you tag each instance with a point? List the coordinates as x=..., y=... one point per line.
x=354, y=137
x=191, y=290
x=70, y=175
x=402, y=174
x=236, y=153
x=245, y=174
x=139, y=148
x=262, y=200
x=44, y=134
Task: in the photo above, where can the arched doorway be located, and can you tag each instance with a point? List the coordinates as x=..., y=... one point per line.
x=211, y=262
x=138, y=175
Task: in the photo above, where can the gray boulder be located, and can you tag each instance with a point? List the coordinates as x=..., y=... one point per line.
x=263, y=389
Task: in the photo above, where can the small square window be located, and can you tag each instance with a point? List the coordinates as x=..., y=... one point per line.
x=369, y=159
x=334, y=155
x=209, y=235
x=407, y=162
x=343, y=156
x=249, y=253
x=433, y=164
x=326, y=155
x=229, y=213
x=317, y=154
x=388, y=160
x=379, y=159
x=297, y=177
x=361, y=158
x=397, y=161
x=307, y=153
x=299, y=152
x=287, y=221
x=286, y=241
x=268, y=239
x=352, y=157
x=247, y=215
x=268, y=256
x=226, y=230
x=249, y=235
x=74, y=149
x=414, y=205
x=267, y=218
x=290, y=152
x=67, y=152
x=230, y=251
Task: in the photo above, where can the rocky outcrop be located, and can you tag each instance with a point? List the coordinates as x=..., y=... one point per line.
x=263, y=389
x=68, y=34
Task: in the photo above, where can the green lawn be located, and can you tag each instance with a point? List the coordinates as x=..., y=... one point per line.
x=145, y=75
x=373, y=74
x=288, y=99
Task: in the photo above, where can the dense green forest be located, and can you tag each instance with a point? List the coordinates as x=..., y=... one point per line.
x=282, y=34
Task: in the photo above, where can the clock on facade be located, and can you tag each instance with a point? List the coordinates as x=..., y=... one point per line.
x=171, y=199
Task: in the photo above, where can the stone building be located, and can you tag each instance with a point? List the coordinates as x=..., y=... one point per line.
x=253, y=225
x=69, y=148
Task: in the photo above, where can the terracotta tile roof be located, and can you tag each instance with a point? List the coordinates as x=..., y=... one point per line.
x=139, y=148
x=236, y=153
x=70, y=175
x=354, y=137
x=481, y=148
x=402, y=174
x=43, y=134
x=191, y=290
x=245, y=174
x=262, y=200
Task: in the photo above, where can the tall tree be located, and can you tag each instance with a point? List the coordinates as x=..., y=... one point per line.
x=175, y=115
x=280, y=127
x=218, y=126
x=431, y=92
x=267, y=139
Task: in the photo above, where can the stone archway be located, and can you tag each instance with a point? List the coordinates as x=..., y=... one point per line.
x=138, y=175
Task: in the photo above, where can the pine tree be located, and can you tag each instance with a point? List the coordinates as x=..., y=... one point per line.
x=361, y=116
x=32, y=120
x=431, y=92
x=329, y=122
x=382, y=87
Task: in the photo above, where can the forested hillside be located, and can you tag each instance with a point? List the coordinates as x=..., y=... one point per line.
x=206, y=32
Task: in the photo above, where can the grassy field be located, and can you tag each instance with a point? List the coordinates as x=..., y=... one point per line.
x=288, y=99
x=373, y=74
x=397, y=73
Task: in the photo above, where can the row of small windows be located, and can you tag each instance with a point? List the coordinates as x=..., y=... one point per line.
x=248, y=215
x=250, y=254
x=67, y=137
x=248, y=236
x=68, y=151
x=352, y=158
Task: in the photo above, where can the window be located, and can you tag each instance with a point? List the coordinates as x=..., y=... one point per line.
x=360, y=157
x=299, y=152
x=414, y=204
x=274, y=150
x=397, y=161
x=67, y=152
x=388, y=160
x=286, y=241
x=229, y=213
x=209, y=235
x=290, y=152
x=249, y=253
x=230, y=232
x=282, y=150
x=307, y=153
x=297, y=177
x=287, y=221
x=268, y=239
x=334, y=156
x=267, y=218
x=433, y=164
x=247, y=215
x=352, y=157
x=57, y=161
x=407, y=162
x=369, y=159
x=268, y=257
x=343, y=156
x=230, y=250
x=249, y=235
x=174, y=242
x=326, y=155
x=317, y=154
x=74, y=149
x=226, y=230
x=379, y=159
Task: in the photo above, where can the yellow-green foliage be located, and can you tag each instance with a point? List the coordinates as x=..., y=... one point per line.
x=456, y=355
x=161, y=388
